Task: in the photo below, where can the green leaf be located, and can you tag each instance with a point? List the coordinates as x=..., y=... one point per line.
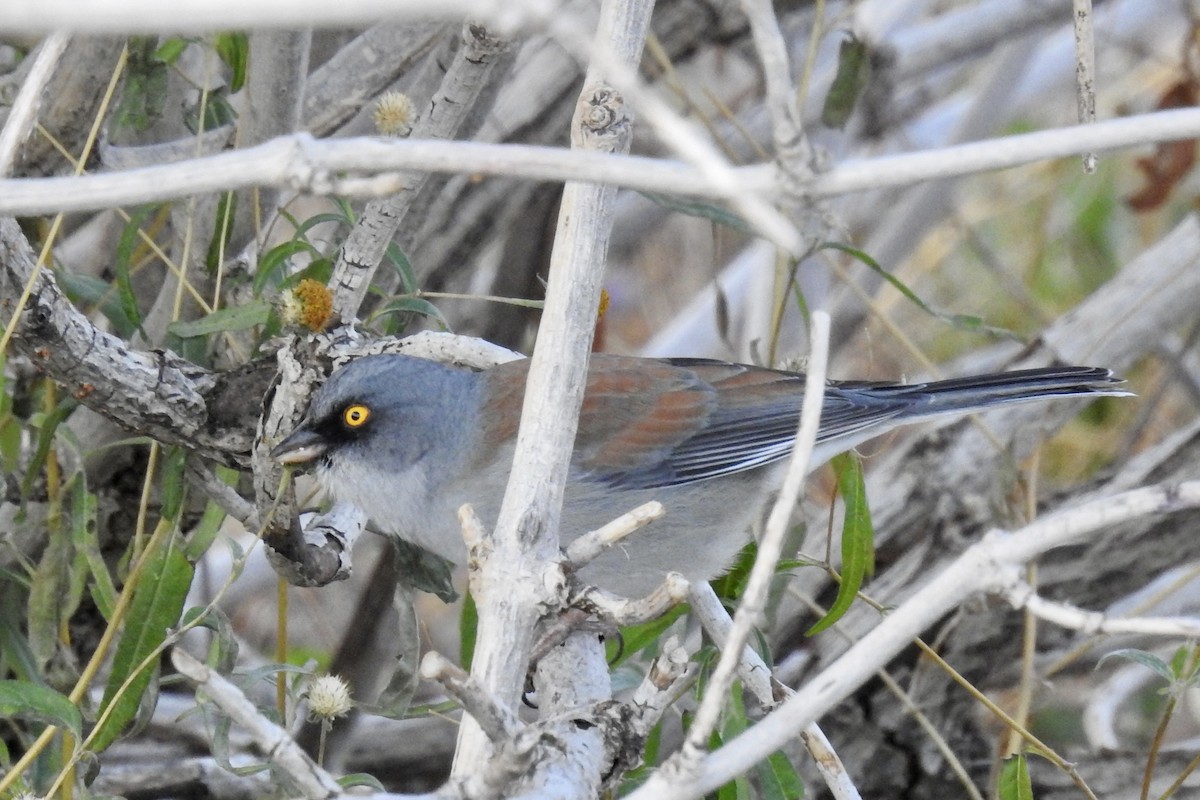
x=14, y=649
x=404, y=269
x=635, y=638
x=144, y=91
x=272, y=264
x=223, y=649
x=48, y=596
x=90, y=563
x=734, y=722
x=1180, y=660
x=320, y=270
x=170, y=50
x=205, y=532
x=361, y=779
x=121, y=265
x=246, y=680
x=965, y=322
x=155, y=608
x=41, y=703
x=778, y=778
x=468, y=629
x=234, y=49
x=638, y=775
x=1148, y=660
x=731, y=585
x=858, y=538
x=853, y=75
x=412, y=305
x=216, y=109
x=1014, y=782
x=696, y=208
x=342, y=220
x=173, y=485
x=91, y=292
x=396, y=698
x=11, y=429
x=234, y=318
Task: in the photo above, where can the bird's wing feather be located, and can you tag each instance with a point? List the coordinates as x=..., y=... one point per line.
x=748, y=419
x=653, y=423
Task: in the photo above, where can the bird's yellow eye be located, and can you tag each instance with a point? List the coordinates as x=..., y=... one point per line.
x=356, y=416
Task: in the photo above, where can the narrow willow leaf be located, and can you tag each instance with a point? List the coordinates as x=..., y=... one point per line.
x=1148, y=660
x=964, y=322
x=223, y=649
x=733, y=723
x=173, y=485
x=468, y=629
x=779, y=779
x=156, y=607
x=40, y=703
x=858, y=538
x=404, y=269
x=122, y=264
x=635, y=638
x=11, y=430
x=412, y=305
x=14, y=648
x=144, y=92
x=396, y=698
x=91, y=292
x=47, y=428
x=271, y=266
x=1014, y=782
x=171, y=49
x=234, y=49
x=695, y=208
x=234, y=318
x=361, y=779
x=87, y=546
x=853, y=75
x=48, y=596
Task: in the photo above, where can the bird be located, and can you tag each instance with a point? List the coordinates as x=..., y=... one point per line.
x=408, y=441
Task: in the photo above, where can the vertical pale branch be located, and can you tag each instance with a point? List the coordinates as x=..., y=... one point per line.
x=772, y=51
x=1085, y=71
x=24, y=110
x=754, y=600
x=512, y=584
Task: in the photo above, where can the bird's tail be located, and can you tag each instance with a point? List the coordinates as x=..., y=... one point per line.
x=961, y=395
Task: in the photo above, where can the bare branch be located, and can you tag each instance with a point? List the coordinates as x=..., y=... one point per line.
x=770, y=549
x=23, y=115
x=527, y=529
x=1022, y=596
x=160, y=393
x=591, y=544
x=313, y=782
x=310, y=165
x=623, y=611
x=496, y=720
x=989, y=565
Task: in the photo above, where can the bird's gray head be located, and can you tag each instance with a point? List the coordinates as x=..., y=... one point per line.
x=383, y=412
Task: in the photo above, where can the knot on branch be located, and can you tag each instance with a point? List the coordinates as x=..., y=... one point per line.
x=483, y=43
x=602, y=120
